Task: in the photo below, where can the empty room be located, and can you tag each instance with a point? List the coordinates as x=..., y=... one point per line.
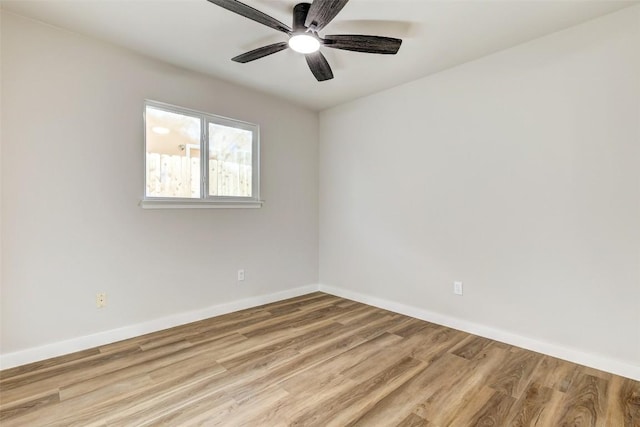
x=333, y=213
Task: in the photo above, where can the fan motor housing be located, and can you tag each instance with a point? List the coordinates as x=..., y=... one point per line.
x=300, y=12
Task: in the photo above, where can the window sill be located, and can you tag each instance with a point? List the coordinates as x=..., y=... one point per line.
x=201, y=204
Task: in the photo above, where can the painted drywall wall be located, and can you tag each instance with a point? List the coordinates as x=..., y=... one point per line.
x=72, y=176
x=1, y=198
x=517, y=174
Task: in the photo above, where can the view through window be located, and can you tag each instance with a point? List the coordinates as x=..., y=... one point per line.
x=176, y=169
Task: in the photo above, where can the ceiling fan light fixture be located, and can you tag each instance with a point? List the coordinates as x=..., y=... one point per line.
x=308, y=19
x=304, y=43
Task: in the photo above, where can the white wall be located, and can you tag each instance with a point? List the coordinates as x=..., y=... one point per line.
x=72, y=173
x=1, y=186
x=518, y=174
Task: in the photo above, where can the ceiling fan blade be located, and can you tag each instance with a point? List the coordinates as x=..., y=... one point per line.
x=368, y=44
x=253, y=14
x=260, y=52
x=322, y=12
x=319, y=66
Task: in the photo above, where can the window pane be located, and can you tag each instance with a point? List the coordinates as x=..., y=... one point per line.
x=173, y=154
x=229, y=161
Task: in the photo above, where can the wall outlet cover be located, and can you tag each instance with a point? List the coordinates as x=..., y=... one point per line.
x=457, y=288
x=101, y=299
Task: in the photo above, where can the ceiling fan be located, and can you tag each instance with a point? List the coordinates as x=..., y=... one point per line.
x=308, y=20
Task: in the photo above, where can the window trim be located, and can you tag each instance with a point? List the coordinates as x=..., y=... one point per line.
x=206, y=200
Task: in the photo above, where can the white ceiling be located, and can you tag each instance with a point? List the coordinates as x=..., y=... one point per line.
x=201, y=36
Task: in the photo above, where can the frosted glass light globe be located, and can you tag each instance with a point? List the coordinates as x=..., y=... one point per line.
x=304, y=43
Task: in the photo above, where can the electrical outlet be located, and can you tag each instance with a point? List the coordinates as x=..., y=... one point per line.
x=457, y=288
x=101, y=299
x=240, y=275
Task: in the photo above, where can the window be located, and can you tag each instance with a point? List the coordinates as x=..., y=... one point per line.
x=194, y=159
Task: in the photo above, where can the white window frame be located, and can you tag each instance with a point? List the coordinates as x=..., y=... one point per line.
x=205, y=200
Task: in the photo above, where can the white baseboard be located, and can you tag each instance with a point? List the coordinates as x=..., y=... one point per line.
x=35, y=354
x=47, y=351
x=572, y=355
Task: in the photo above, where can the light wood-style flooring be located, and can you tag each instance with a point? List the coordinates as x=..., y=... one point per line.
x=315, y=360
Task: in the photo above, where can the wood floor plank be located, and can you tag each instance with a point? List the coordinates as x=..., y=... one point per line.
x=52, y=376
x=390, y=355
x=293, y=341
x=552, y=410
x=247, y=410
x=200, y=413
x=142, y=389
x=19, y=408
x=54, y=380
x=437, y=343
x=136, y=411
x=528, y=410
x=159, y=361
x=294, y=367
x=351, y=404
x=212, y=328
x=333, y=347
x=399, y=403
x=461, y=387
x=494, y=412
x=290, y=321
x=470, y=347
x=357, y=312
x=37, y=368
x=411, y=326
x=316, y=359
x=412, y=420
x=555, y=373
x=585, y=402
x=339, y=363
x=625, y=407
x=515, y=375
x=472, y=406
x=294, y=405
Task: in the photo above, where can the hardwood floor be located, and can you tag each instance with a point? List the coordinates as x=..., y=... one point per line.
x=315, y=360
